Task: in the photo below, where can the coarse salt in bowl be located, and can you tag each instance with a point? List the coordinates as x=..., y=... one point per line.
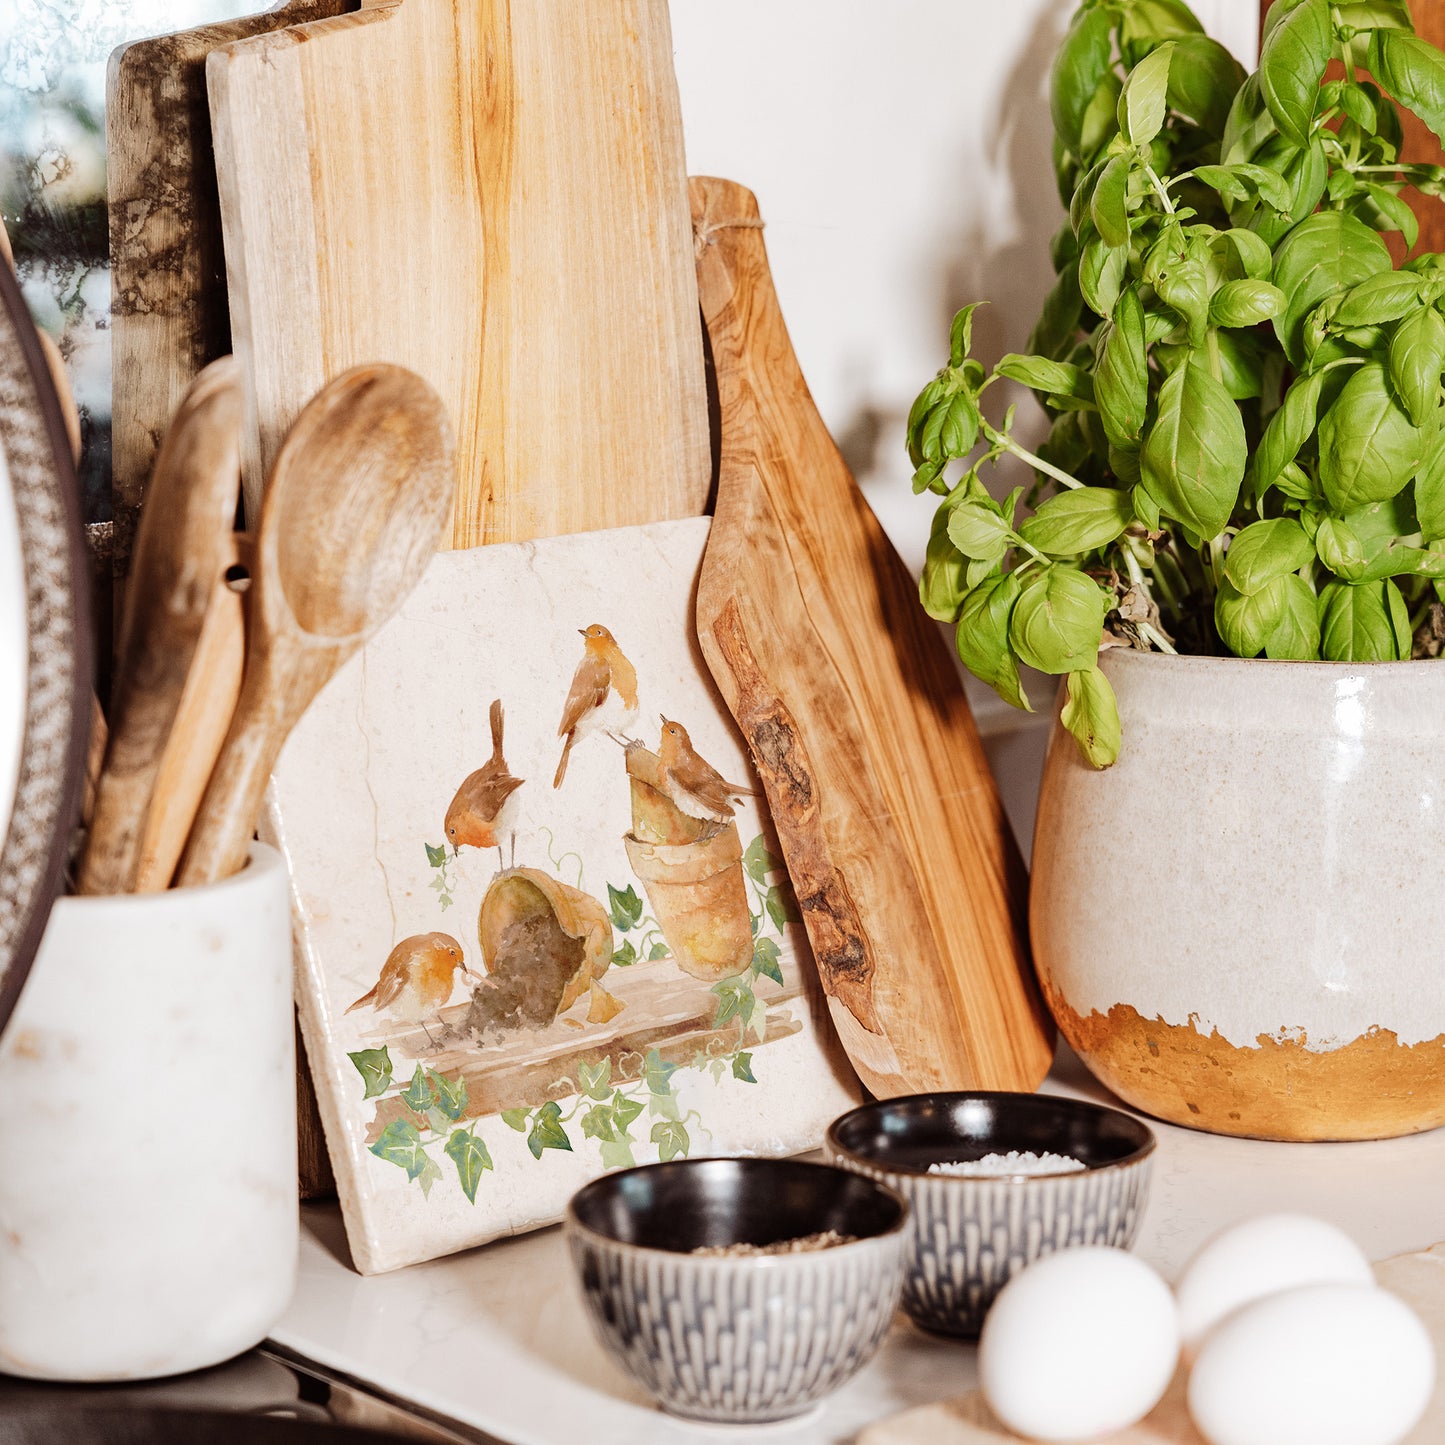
x=995, y=1181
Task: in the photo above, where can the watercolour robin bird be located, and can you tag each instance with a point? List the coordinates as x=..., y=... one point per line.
x=603, y=695
x=694, y=786
x=416, y=979
x=486, y=804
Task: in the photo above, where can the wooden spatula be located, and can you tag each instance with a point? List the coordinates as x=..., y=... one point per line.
x=492, y=196
x=910, y=883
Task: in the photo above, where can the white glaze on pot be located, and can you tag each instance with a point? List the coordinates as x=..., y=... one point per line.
x=1260, y=870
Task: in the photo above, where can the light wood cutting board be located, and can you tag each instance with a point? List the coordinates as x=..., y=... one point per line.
x=1419, y=1279
x=168, y=284
x=493, y=195
x=910, y=883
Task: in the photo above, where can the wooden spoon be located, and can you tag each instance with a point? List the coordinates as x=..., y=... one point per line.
x=355, y=507
x=180, y=554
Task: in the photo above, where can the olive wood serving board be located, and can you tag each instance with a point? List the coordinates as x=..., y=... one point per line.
x=168, y=280
x=1419, y=1279
x=492, y=195
x=910, y=883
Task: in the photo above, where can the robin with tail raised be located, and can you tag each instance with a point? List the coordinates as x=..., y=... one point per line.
x=416, y=979
x=485, y=806
x=694, y=786
x=603, y=697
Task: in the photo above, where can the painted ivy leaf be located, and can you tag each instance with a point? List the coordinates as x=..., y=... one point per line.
x=743, y=1068
x=625, y=955
x=757, y=1020
x=1091, y=715
x=516, y=1119
x=438, y=1122
x=450, y=1095
x=437, y=857
x=418, y=1095
x=671, y=1139
x=471, y=1156
x=735, y=1000
x=767, y=960
x=658, y=950
x=430, y=1173
x=663, y=1106
x=400, y=1144
x=547, y=1131
x=782, y=906
x=599, y=1123
x=626, y=907
x=716, y=1068
x=759, y=862
x=657, y=1072
x=624, y=1110
x=595, y=1078
x=374, y=1066
x=440, y=884
x=617, y=1154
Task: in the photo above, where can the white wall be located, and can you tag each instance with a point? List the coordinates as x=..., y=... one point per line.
x=900, y=152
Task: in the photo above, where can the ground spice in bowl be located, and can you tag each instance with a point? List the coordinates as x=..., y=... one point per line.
x=999, y=1166
x=804, y=1244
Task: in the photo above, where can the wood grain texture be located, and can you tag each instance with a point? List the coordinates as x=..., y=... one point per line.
x=909, y=880
x=169, y=317
x=493, y=196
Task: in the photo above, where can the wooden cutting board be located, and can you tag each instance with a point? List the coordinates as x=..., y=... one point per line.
x=1419, y=1279
x=168, y=284
x=494, y=196
x=911, y=885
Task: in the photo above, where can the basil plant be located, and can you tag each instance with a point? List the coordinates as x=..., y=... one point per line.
x=1246, y=453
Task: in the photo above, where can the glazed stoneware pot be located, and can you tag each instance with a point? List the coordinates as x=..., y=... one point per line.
x=1238, y=926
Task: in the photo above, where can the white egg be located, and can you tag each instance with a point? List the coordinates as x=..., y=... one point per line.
x=1324, y=1364
x=1082, y=1343
x=1259, y=1257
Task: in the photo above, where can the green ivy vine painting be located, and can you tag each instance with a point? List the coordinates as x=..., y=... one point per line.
x=542, y=929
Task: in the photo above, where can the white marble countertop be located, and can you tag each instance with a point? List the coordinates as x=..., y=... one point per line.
x=496, y=1338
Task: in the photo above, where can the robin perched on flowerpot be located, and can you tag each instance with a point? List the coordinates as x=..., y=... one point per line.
x=690, y=781
x=603, y=695
x=485, y=805
x=416, y=979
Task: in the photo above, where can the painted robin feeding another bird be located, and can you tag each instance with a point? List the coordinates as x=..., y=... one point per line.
x=486, y=804
x=416, y=979
x=603, y=696
x=694, y=786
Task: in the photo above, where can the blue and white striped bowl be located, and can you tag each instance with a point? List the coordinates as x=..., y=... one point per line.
x=969, y=1235
x=738, y=1339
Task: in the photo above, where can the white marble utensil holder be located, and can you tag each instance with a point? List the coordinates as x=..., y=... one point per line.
x=148, y=1204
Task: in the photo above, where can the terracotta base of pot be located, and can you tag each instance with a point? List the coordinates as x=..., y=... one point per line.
x=1372, y=1088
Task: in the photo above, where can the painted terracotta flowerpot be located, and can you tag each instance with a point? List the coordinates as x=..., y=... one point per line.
x=1239, y=926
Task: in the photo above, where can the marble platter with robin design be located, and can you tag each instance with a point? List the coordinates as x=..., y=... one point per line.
x=543, y=929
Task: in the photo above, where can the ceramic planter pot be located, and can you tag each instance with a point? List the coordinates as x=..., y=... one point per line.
x=1238, y=926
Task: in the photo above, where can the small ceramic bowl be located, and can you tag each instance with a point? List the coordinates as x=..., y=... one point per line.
x=738, y=1339
x=969, y=1235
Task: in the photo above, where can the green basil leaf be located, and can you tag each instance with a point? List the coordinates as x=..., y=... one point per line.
x=1056, y=378
x=1078, y=521
x=1250, y=124
x=1101, y=119
x=1195, y=453
x=1305, y=173
x=1245, y=303
x=1375, y=15
x=1108, y=206
x=979, y=532
x=1278, y=11
x=1255, y=257
x=1121, y=383
x=1224, y=180
x=1360, y=108
x=1145, y=508
x=1288, y=430
x=1142, y=102
x=1399, y=620
x=1294, y=482
x=1058, y=323
x=1430, y=490
x=950, y=428
x=1341, y=549
x=1296, y=634
x=1102, y=268
x=1272, y=186
x=982, y=638
x=1413, y=71
x=1203, y=80
x=1091, y=714
x=1292, y=65
x=1417, y=360
x=1153, y=20
x=960, y=334
x=1398, y=560
x=1355, y=623
x=1241, y=365
x=1083, y=60
x=1263, y=551
x=1382, y=210
x=1246, y=620
x=1324, y=253
x=1058, y=620
x=1185, y=287
x=1369, y=447
x=1385, y=297
x=944, y=583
